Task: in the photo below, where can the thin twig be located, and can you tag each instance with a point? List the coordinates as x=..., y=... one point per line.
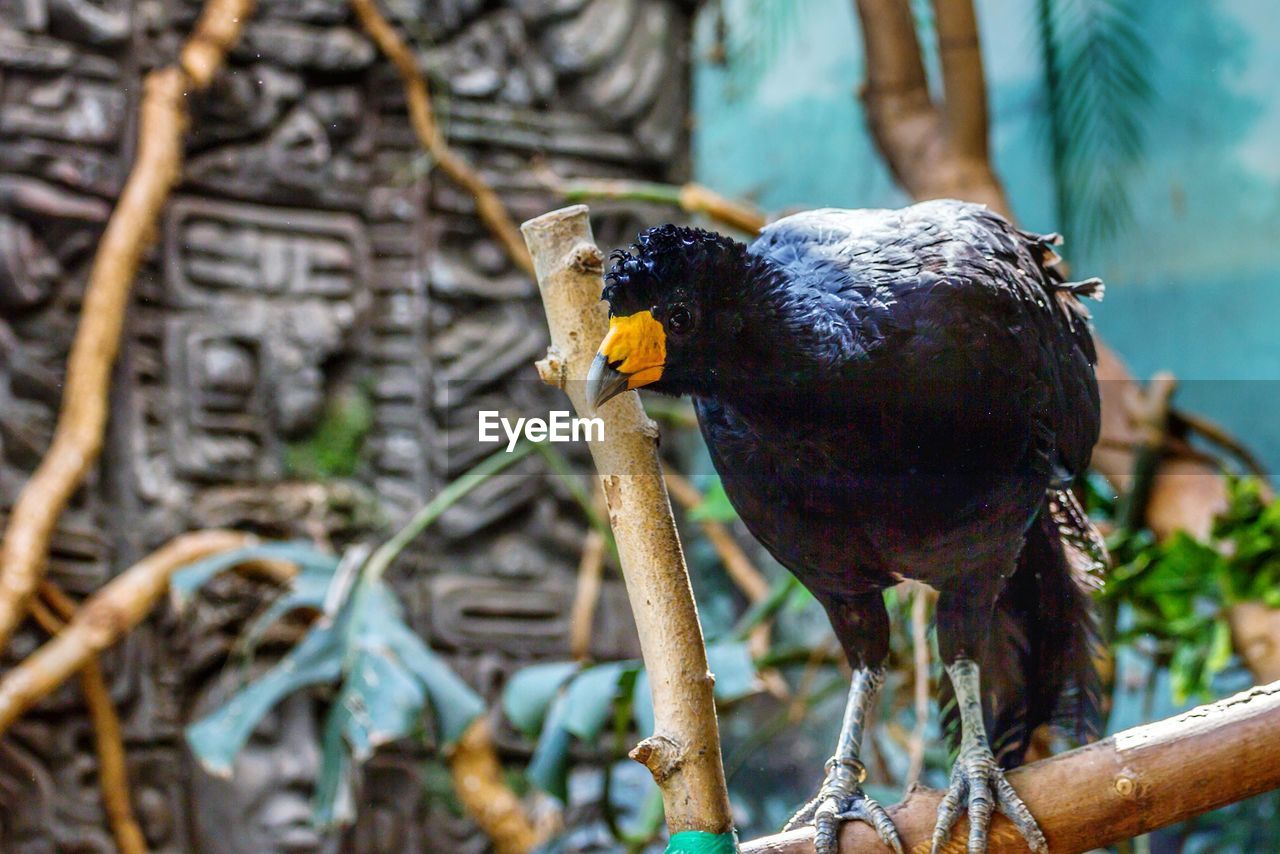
x=587, y=594
x=113, y=774
x=489, y=206
x=821, y=654
x=1220, y=436
x=691, y=198
x=77, y=441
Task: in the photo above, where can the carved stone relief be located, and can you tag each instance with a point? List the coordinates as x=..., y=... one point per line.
x=311, y=251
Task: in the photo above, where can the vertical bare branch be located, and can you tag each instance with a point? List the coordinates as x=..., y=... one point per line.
x=683, y=754
x=895, y=93
x=908, y=128
x=963, y=82
x=587, y=595
x=488, y=205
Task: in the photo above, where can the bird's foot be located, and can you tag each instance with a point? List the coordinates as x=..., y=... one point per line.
x=979, y=783
x=839, y=800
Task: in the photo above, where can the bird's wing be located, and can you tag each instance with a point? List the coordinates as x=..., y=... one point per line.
x=952, y=277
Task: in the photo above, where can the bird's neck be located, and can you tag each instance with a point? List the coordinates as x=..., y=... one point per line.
x=793, y=348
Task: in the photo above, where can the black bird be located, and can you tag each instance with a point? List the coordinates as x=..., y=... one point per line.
x=894, y=395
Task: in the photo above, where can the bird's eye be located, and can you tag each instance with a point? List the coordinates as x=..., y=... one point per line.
x=679, y=320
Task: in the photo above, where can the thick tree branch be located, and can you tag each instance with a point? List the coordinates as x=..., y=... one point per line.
x=683, y=754
x=964, y=84
x=77, y=440
x=1134, y=782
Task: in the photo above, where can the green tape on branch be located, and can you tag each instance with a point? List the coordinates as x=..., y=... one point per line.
x=701, y=842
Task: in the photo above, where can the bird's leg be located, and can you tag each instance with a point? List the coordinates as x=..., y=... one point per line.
x=841, y=798
x=976, y=780
x=861, y=623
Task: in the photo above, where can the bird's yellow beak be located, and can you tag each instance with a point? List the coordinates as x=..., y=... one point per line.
x=630, y=356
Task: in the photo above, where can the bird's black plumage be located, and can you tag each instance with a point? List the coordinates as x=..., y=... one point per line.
x=900, y=394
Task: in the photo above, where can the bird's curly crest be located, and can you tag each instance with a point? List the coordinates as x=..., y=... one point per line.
x=662, y=250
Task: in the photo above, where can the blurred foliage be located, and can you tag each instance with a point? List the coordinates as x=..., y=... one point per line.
x=382, y=677
x=1178, y=592
x=554, y=701
x=332, y=449
x=1097, y=66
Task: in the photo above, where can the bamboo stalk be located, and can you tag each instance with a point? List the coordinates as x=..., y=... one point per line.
x=77, y=441
x=683, y=754
x=1132, y=783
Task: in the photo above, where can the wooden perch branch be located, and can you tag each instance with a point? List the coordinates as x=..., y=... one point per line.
x=683, y=754
x=77, y=440
x=117, y=608
x=488, y=205
x=1134, y=782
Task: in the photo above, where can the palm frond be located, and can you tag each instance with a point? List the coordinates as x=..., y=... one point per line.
x=1097, y=66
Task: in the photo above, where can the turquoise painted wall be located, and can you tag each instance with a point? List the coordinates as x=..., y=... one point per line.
x=1193, y=285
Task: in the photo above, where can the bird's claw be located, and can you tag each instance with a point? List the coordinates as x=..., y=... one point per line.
x=836, y=804
x=979, y=784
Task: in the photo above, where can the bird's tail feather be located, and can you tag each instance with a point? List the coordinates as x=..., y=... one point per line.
x=1040, y=665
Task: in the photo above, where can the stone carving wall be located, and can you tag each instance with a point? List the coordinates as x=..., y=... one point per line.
x=310, y=257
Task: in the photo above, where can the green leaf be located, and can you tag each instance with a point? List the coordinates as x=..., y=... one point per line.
x=590, y=698
x=1219, y=649
x=453, y=701
x=187, y=581
x=531, y=691
x=216, y=739
x=549, y=767
x=333, y=802
x=306, y=591
x=383, y=699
